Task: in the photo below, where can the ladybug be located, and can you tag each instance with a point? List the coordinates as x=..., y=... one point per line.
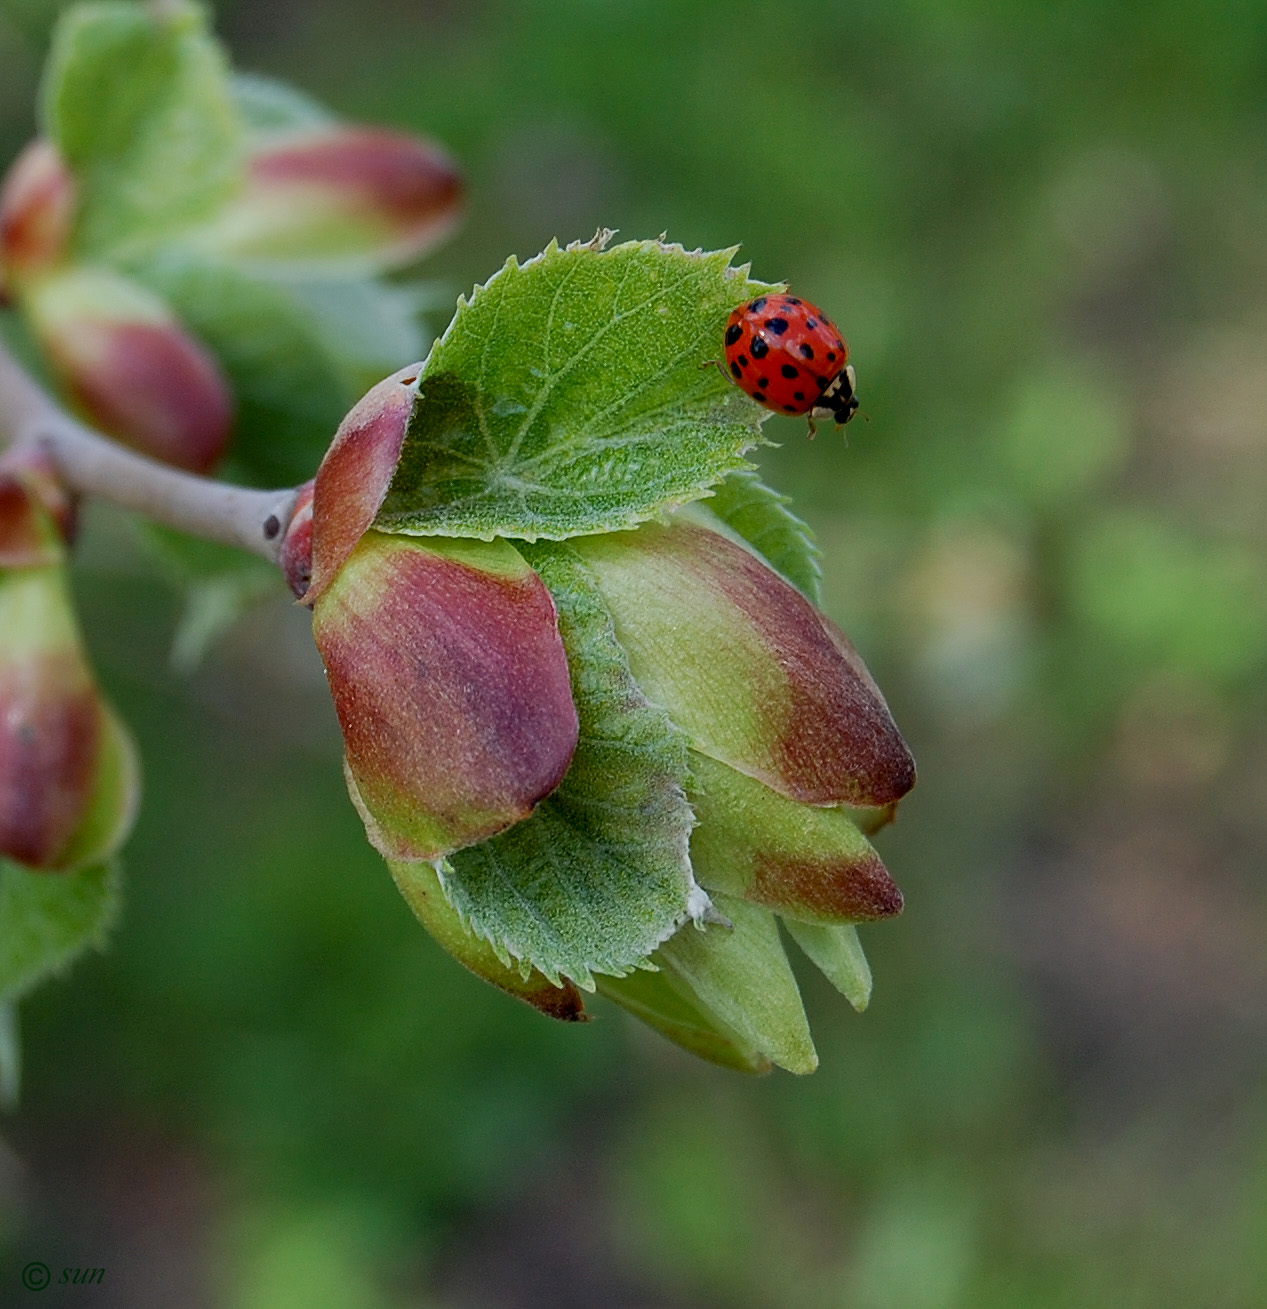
x=789, y=356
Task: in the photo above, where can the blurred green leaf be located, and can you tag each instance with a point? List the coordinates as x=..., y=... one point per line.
x=141, y=107
x=1165, y=598
x=599, y=875
x=46, y=919
x=219, y=584
x=268, y=105
x=1064, y=436
x=572, y=394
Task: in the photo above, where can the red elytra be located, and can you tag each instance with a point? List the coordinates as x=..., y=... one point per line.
x=789, y=356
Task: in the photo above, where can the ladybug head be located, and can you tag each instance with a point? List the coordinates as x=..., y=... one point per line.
x=840, y=399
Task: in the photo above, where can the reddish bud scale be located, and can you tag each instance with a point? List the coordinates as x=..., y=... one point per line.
x=809, y=862
x=342, y=194
x=37, y=514
x=452, y=688
x=814, y=888
x=296, y=553
x=409, y=180
x=808, y=721
x=356, y=472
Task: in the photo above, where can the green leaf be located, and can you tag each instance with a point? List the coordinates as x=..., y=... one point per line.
x=600, y=874
x=837, y=953
x=761, y=517
x=298, y=356
x=743, y=976
x=46, y=919
x=661, y=1001
x=142, y=109
x=572, y=394
x=420, y=884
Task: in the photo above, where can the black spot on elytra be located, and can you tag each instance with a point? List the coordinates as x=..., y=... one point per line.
x=759, y=395
x=811, y=323
x=807, y=350
x=734, y=368
x=831, y=356
x=799, y=395
x=821, y=382
x=840, y=345
x=733, y=333
x=762, y=383
x=790, y=370
x=791, y=409
x=759, y=348
x=777, y=325
x=791, y=300
x=743, y=361
x=758, y=305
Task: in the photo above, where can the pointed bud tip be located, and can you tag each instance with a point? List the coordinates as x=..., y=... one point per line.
x=419, y=883
x=824, y=890
x=357, y=471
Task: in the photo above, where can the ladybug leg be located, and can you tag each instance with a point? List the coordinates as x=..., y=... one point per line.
x=813, y=426
x=716, y=363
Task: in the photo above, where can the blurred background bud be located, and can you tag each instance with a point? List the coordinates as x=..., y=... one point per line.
x=68, y=769
x=345, y=196
x=132, y=368
x=37, y=513
x=37, y=203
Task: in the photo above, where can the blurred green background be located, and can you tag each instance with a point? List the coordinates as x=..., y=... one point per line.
x=1043, y=227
